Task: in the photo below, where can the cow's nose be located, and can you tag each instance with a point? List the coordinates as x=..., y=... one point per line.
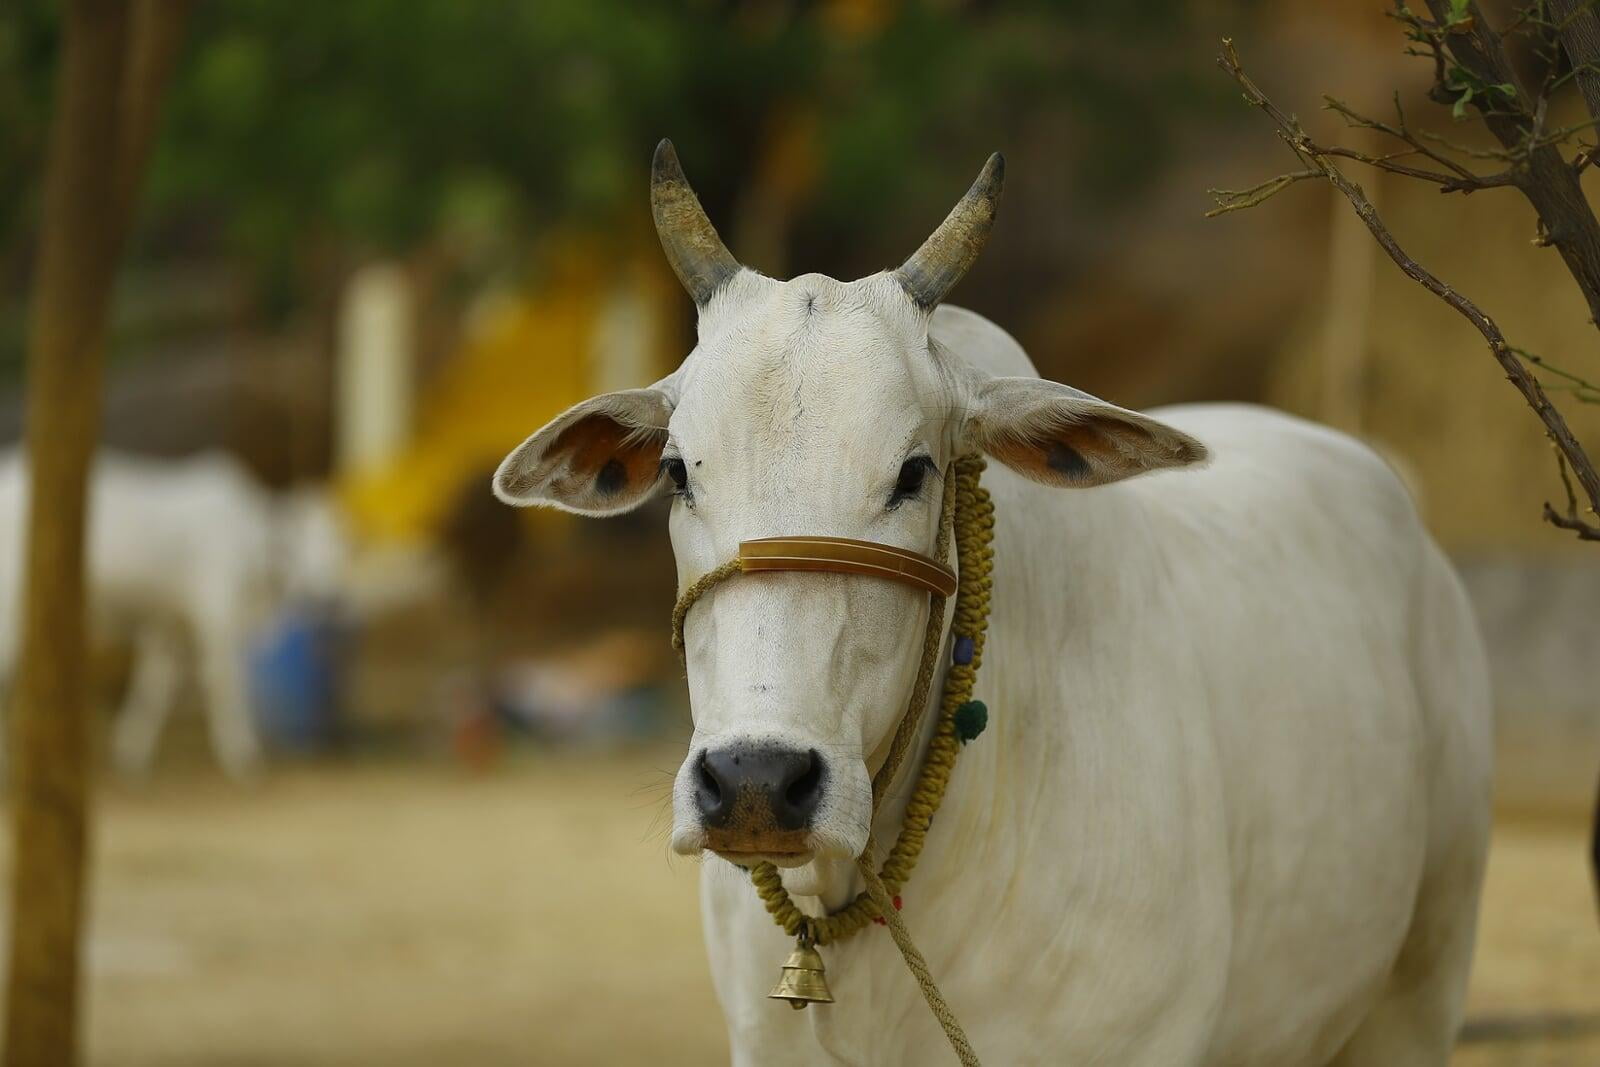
x=753, y=785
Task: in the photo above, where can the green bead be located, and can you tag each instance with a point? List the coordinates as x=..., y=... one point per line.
x=970, y=719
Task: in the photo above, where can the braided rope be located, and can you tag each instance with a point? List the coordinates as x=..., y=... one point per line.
x=916, y=964
x=696, y=590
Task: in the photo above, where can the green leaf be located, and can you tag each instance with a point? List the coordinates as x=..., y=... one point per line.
x=1459, y=108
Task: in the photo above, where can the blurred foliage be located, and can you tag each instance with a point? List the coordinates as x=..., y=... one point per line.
x=299, y=134
x=27, y=44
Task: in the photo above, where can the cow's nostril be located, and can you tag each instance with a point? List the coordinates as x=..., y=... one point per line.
x=707, y=780
x=709, y=795
x=802, y=793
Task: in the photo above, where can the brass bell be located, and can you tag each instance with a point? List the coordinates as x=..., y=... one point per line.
x=803, y=981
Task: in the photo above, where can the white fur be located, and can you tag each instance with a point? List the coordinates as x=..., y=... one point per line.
x=1232, y=804
x=181, y=552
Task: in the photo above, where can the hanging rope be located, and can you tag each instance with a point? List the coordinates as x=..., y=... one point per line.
x=915, y=963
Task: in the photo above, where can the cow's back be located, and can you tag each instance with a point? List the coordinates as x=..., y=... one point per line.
x=1264, y=709
x=1251, y=632
x=1300, y=562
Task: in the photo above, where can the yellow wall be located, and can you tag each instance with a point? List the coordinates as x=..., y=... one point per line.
x=524, y=358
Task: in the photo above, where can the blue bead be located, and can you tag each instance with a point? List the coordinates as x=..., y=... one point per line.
x=963, y=650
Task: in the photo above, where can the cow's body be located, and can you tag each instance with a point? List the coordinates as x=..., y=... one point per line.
x=1232, y=804
x=1231, y=808
x=181, y=554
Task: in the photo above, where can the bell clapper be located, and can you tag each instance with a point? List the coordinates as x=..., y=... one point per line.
x=803, y=980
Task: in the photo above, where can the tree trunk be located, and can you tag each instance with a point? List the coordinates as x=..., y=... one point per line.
x=1551, y=185
x=1579, y=30
x=105, y=117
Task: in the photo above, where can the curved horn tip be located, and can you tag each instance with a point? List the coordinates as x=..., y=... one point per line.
x=697, y=255
x=935, y=268
x=664, y=165
x=994, y=169
x=988, y=185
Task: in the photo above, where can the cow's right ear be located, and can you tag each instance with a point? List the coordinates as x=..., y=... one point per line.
x=601, y=457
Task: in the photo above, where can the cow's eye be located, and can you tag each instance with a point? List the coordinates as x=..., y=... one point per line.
x=672, y=467
x=913, y=472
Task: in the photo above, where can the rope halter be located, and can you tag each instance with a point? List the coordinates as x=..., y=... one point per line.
x=967, y=515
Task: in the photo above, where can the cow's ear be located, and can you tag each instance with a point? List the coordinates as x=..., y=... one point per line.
x=601, y=457
x=1060, y=436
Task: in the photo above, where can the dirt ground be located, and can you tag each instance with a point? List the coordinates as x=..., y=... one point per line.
x=406, y=916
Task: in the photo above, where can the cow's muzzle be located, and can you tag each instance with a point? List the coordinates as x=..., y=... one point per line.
x=758, y=800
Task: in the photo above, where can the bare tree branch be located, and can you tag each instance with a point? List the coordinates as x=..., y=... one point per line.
x=1400, y=132
x=1525, y=383
x=1447, y=183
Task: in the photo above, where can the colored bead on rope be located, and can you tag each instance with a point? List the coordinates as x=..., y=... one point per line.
x=970, y=720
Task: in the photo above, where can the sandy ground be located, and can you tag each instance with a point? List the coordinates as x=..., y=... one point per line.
x=411, y=916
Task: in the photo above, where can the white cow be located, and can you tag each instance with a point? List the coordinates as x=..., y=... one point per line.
x=181, y=554
x=1233, y=803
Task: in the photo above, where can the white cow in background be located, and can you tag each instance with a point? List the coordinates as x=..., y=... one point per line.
x=189, y=554
x=1232, y=806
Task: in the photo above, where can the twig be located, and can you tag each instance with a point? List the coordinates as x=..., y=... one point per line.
x=1583, y=389
x=1239, y=199
x=1570, y=521
x=1466, y=150
x=1401, y=132
x=1525, y=383
x=1447, y=183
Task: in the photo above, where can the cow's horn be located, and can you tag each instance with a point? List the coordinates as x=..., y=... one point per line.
x=938, y=265
x=699, y=258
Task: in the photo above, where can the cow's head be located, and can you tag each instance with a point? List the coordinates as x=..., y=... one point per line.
x=810, y=406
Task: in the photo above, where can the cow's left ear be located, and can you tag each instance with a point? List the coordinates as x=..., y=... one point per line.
x=1060, y=436
x=601, y=457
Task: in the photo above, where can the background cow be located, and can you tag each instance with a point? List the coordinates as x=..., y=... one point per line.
x=185, y=556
